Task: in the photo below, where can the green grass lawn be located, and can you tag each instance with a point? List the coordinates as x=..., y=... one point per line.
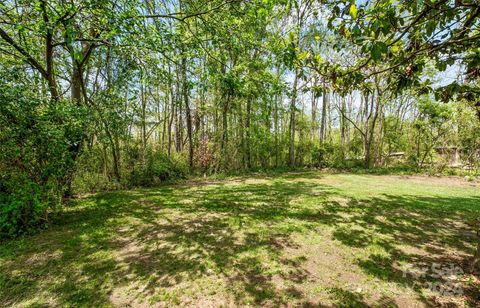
x=299, y=239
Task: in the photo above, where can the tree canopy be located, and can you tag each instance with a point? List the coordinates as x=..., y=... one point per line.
x=103, y=94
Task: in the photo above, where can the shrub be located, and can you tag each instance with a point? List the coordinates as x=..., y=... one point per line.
x=92, y=172
x=328, y=155
x=23, y=205
x=35, y=157
x=157, y=168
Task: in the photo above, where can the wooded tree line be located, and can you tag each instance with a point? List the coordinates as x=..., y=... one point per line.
x=105, y=94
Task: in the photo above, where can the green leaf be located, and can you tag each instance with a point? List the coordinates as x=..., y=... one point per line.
x=395, y=49
x=356, y=31
x=377, y=50
x=353, y=11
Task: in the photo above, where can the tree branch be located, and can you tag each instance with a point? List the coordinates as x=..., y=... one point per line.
x=34, y=63
x=185, y=17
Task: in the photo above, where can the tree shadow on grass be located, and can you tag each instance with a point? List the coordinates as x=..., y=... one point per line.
x=153, y=238
x=228, y=231
x=423, y=232
x=171, y=239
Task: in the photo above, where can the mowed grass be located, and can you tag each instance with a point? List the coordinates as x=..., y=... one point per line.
x=298, y=239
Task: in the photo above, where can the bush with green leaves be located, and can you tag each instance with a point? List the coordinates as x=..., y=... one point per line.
x=93, y=172
x=156, y=168
x=36, y=138
x=330, y=155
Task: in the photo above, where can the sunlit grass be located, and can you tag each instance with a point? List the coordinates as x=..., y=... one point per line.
x=295, y=238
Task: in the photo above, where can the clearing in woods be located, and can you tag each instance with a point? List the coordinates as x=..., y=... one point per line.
x=294, y=239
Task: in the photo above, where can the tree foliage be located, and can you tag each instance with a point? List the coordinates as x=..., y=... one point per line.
x=108, y=94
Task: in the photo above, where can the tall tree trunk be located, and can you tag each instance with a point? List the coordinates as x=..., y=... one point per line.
x=179, y=117
x=277, y=97
x=381, y=125
x=165, y=119
x=50, y=72
x=292, y=120
x=225, y=100
x=225, y=129
x=143, y=121
x=323, y=120
x=247, y=128
x=76, y=83
x=370, y=132
x=172, y=114
x=115, y=154
x=343, y=121
x=314, y=112
x=188, y=112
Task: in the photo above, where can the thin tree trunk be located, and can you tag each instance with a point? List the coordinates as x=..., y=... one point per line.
x=371, y=129
x=292, y=120
x=323, y=120
x=143, y=122
x=172, y=115
x=314, y=111
x=247, y=128
x=343, y=123
x=187, y=112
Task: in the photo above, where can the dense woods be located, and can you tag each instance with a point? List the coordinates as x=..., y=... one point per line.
x=99, y=95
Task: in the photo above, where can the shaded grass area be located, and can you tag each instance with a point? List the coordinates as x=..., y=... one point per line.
x=302, y=238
